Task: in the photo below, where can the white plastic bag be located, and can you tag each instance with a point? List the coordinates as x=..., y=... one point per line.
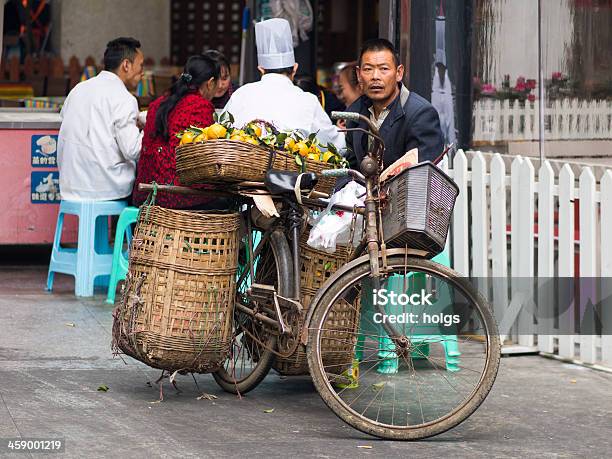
x=333, y=227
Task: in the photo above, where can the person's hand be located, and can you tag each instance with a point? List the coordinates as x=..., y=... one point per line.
x=341, y=124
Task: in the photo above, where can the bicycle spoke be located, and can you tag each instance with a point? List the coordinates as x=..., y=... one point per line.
x=434, y=376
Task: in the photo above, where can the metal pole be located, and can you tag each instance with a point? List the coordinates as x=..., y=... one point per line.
x=540, y=84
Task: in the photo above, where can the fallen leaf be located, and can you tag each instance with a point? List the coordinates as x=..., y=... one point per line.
x=573, y=381
x=379, y=385
x=103, y=388
x=207, y=397
x=156, y=401
x=70, y=324
x=271, y=410
x=364, y=447
x=173, y=376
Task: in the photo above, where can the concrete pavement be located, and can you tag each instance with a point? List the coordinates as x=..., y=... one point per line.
x=50, y=372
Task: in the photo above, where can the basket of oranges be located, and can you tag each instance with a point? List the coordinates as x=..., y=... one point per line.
x=224, y=153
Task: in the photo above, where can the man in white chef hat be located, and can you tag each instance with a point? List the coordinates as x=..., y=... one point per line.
x=275, y=98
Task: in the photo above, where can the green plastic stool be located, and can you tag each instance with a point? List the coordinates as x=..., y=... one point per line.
x=389, y=362
x=128, y=217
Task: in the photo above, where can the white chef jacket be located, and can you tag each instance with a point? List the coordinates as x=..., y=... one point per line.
x=99, y=141
x=276, y=99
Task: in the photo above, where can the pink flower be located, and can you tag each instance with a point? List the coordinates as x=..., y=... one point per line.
x=531, y=97
x=531, y=84
x=520, y=80
x=488, y=88
x=557, y=75
x=520, y=86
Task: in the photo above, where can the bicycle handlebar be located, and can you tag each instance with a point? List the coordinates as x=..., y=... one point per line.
x=335, y=172
x=349, y=116
x=343, y=173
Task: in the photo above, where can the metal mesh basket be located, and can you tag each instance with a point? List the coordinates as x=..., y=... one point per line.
x=418, y=208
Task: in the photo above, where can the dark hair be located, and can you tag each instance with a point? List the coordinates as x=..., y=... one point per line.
x=307, y=83
x=219, y=57
x=350, y=70
x=379, y=44
x=283, y=71
x=119, y=49
x=198, y=70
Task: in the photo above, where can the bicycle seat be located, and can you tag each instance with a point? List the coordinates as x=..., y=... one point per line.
x=286, y=183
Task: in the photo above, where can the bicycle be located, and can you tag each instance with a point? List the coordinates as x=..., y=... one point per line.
x=395, y=380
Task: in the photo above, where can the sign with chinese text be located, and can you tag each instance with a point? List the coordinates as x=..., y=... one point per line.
x=45, y=188
x=44, y=150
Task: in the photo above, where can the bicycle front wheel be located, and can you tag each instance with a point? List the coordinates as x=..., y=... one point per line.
x=431, y=376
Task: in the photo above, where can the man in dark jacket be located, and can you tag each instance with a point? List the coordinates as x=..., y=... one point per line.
x=405, y=119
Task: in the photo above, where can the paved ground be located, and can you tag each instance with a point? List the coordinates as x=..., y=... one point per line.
x=50, y=372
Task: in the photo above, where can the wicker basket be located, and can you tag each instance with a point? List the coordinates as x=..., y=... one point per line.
x=338, y=346
x=177, y=306
x=223, y=160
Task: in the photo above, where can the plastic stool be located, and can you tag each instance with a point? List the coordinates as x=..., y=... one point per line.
x=389, y=362
x=128, y=217
x=91, y=262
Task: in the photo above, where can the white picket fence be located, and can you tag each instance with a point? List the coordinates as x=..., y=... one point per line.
x=564, y=119
x=491, y=240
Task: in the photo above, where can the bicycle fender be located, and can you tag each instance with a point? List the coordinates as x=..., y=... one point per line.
x=356, y=262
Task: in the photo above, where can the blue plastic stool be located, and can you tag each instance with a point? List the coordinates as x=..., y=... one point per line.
x=389, y=362
x=128, y=217
x=91, y=262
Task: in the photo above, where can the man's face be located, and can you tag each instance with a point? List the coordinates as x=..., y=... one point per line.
x=224, y=82
x=134, y=71
x=379, y=75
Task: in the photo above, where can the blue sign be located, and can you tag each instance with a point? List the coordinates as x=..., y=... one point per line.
x=44, y=150
x=44, y=188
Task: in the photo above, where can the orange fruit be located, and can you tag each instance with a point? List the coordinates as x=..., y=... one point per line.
x=327, y=156
x=289, y=143
x=301, y=148
x=187, y=137
x=200, y=138
x=216, y=131
x=256, y=130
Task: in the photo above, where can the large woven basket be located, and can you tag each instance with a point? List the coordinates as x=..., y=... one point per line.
x=338, y=346
x=177, y=306
x=223, y=160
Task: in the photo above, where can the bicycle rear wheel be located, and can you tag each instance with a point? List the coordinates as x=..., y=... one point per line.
x=252, y=355
x=386, y=389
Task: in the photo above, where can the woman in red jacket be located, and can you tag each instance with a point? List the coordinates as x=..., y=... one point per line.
x=187, y=103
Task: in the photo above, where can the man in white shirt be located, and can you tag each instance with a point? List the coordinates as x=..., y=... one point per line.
x=275, y=98
x=99, y=140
